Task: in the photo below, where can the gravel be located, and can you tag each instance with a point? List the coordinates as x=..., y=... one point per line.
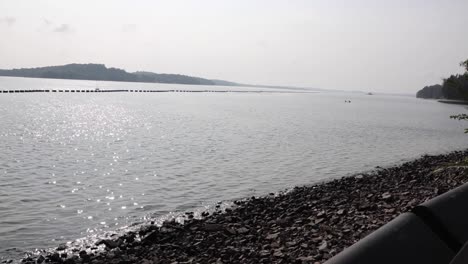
x=308, y=224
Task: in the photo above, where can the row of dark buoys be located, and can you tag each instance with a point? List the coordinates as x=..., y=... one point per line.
x=24, y=91
x=61, y=91
x=135, y=91
x=114, y=91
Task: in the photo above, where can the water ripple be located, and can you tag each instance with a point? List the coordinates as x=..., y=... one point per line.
x=75, y=165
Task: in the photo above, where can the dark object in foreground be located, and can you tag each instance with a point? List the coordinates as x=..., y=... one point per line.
x=432, y=233
x=405, y=239
x=462, y=256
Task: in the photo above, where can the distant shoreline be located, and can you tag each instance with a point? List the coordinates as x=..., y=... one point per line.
x=99, y=72
x=460, y=102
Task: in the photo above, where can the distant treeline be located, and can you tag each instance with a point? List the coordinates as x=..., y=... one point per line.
x=454, y=87
x=100, y=72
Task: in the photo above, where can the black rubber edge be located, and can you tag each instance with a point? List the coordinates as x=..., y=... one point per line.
x=433, y=222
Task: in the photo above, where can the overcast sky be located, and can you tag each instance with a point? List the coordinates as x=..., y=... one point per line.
x=374, y=45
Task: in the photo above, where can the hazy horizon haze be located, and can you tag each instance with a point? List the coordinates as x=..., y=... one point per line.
x=379, y=46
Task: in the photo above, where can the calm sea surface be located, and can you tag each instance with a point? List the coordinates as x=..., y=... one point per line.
x=76, y=165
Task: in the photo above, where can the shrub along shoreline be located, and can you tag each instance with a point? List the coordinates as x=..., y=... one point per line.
x=308, y=224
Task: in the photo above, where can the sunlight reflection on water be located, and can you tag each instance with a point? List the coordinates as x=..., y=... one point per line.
x=74, y=165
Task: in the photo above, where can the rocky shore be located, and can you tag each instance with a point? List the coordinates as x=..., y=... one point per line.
x=308, y=224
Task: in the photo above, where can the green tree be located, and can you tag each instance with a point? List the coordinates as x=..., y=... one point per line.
x=456, y=86
x=464, y=64
x=459, y=82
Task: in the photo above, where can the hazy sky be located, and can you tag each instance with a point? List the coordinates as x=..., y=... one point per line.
x=373, y=45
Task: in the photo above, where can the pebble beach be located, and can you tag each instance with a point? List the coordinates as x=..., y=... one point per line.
x=308, y=224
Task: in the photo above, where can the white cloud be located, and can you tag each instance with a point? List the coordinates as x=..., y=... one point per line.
x=129, y=28
x=63, y=28
x=47, y=22
x=9, y=21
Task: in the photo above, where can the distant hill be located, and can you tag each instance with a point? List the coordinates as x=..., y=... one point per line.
x=170, y=78
x=430, y=92
x=73, y=71
x=225, y=83
x=101, y=73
